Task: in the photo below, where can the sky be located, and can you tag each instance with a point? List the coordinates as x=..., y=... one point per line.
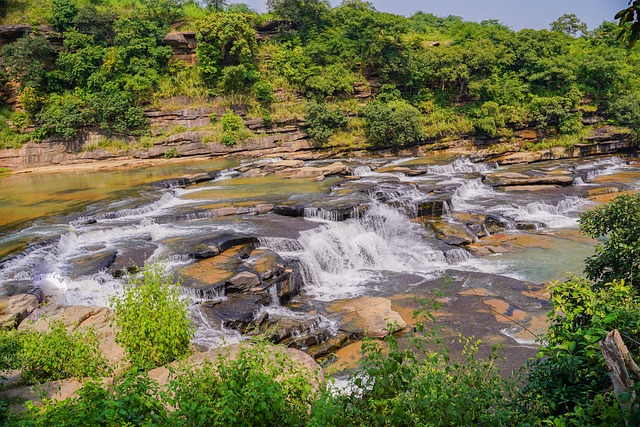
x=516, y=14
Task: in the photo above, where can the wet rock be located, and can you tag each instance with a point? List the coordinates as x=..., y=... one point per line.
x=242, y=282
x=91, y=264
x=494, y=224
x=266, y=263
x=186, y=180
x=227, y=241
x=15, y=309
x=601, y=191
x=299, y=333
x=431, y=208
x=336, y=168
x=518, y=179
x=236, y=312
x=131, y=259
x=367, y=316
x=211, y=273
x=289, y=210
x=290, y=282
x=455, y=234
x=330, y=345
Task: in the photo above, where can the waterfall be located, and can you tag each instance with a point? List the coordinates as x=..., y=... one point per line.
x=553, y=216
x=337, y=258
x=461, y=166
x=471, y=189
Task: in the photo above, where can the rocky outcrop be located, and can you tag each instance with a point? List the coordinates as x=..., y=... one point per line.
x=367, y=316
x=16, y=308
x=517, y=179
x=79, y=316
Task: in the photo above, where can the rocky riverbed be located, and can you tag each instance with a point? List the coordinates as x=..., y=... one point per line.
x=317, y=255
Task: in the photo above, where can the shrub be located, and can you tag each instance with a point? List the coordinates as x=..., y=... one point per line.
x=171, y=153
x=153, y=321
x=263, y=92
x=395, y=123
x=57, y=354
x=322, y=121
x=233, y=129
x=618, y=256
x=568, y=379
x=255, y=387
x=412, y=387
x=63, y=115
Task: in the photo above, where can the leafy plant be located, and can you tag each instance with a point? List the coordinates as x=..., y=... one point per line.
x=171, y=153
x=617, y=257
x=395, y=123
x=57, y=354
x=153, y=321
x=322, y=121
x=233, y=129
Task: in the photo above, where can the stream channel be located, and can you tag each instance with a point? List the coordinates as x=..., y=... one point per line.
x=253, y=247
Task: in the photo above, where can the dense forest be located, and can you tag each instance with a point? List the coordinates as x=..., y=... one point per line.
x=101, y=63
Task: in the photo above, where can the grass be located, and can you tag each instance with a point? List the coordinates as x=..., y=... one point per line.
x=4, y=171
x=9, y=136
x=115, y=146
x=567, y=141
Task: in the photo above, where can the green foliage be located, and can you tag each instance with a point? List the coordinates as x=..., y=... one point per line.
x=171, y=153
x=568, y=380
x=10, y=348
x=395, y=123
x=57, y=354
x=62, y=115
x=413, y=387
x=263, y=91
x=153, y=321
x=617, y=257
x=255, y=387
x=322, y=121
x=116, y=112
x=233, y=129
x=28, y=60
x=133, y=401
x=569, y=24
x=10, y=137
x=63, y=14
x=625, y=110
x=304, y=15
x=227, y=39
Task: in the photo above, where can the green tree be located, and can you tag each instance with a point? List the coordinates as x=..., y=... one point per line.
x=569, y=24
x=322, y=121
x=305, y=15
x=395, y=123
x=629, y=23
x=153, y=320
x=619, y=256
x=227, y=39
x=216, y=5
x=28, y=60
x=63, y=14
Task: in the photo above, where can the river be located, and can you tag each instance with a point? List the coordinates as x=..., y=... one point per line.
x=73, y=235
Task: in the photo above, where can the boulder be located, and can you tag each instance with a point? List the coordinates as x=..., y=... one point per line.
x=242, y=282
x=16, y=308
x=93, y=263
x=455, y=234
x=236, y=312
x=367, y=316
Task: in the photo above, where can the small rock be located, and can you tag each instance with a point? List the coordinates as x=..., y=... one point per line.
x=242, y=281
x=17, y=308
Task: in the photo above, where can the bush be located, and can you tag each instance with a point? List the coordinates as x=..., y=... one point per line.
x=233, y=129
x=414, y=388
x=257, y=387
x=57, y=354
x=263, y=92
x=153, y=320
x=618, y=256
x=322, y=121
x=395, y=123
x=568, y=379
x=63, y=115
